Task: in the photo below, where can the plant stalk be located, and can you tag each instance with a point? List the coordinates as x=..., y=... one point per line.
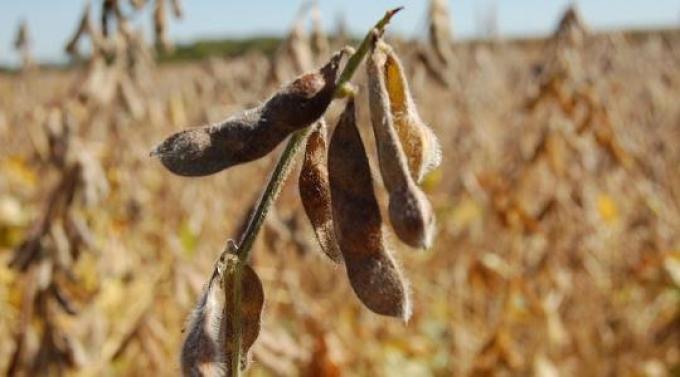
x=275, y=183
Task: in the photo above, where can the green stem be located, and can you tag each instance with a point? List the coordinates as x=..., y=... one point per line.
x=274, y=185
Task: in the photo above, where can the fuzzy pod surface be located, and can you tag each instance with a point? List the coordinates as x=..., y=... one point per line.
x=252, y=133
x=410, y=212
x=372, y=272
x=315, y=191
x=252, y=303
x=420, y=144
x=207, y=347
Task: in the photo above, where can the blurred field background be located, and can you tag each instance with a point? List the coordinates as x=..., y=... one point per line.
x=558, y=206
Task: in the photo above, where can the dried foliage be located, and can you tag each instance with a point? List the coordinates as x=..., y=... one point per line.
x=319, y=41
x=440, y=30
x=22, y=43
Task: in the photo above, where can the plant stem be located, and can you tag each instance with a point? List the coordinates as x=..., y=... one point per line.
x=282, y=168
x=356, y=58
x=274, y=185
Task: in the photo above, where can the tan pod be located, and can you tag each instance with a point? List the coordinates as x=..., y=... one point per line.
x=207, y=348
x=410, y=212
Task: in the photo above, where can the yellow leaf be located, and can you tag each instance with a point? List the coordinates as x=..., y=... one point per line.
x=465, y=213
x=543, y=367
x=188, y=239
x=672, y=266
x=607, y=208
x=432, y=180
x=16, y=169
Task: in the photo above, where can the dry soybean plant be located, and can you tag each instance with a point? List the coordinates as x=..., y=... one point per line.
x=22, y=43
x=336, y=188
x=294, y=55
x=440, y=33
x=50, y=251
x=120, y=64
x=436, y=57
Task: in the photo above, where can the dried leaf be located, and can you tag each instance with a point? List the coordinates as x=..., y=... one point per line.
x=440, y=33
x=160, y=26
x=177, y=8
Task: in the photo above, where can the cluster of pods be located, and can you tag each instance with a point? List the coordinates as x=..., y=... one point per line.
x=336, y=186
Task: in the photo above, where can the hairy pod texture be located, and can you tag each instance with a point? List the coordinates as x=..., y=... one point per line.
x=372, y=272
x=315, y=191
x=419, y=143
x=207, y=348
x=410, y=212
x=252, y=302
x=255, y=132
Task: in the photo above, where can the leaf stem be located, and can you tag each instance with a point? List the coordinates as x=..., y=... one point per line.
x=273, y=189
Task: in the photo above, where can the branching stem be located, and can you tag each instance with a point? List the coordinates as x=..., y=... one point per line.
x=274, y=185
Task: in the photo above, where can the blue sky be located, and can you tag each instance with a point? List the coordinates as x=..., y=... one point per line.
x=52, y=21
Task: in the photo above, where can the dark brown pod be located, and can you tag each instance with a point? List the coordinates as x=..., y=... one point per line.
x=358, y=224
x=253, y=133
x=315, y=192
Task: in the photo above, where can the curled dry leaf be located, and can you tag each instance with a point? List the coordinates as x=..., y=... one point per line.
x=83, y=27
x=358, y=225
x=110, y=9
x=160, y=26
x=440, y=31
x=410, y=212
x=319, y=40
x=177, y=10
x=207, y=348
x=253, y=133
x=315, y=191
x=22, y=38
x=297, y=44
x=138, y=4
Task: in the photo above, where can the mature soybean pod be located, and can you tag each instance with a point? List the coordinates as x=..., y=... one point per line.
x=252, y=302
x=315, y=191
x=207, y=348
x=202, y=354
x=410, y=212
x=420, y=144
x=252, y=133
x=358, y=225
